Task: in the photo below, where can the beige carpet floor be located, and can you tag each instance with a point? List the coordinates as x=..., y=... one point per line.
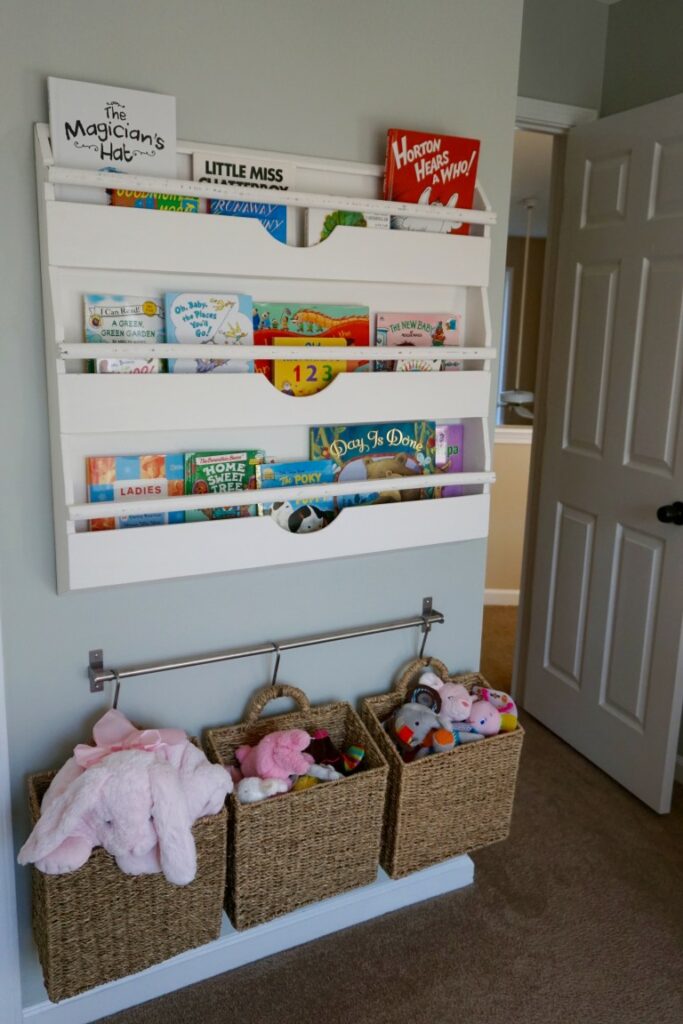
x=576, y=919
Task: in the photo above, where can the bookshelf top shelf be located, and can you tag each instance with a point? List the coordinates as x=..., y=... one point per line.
x=54, y=175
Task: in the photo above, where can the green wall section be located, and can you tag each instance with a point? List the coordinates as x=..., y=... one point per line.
x=644, y=55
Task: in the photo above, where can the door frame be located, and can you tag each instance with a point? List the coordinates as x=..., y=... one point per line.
x=551, y=119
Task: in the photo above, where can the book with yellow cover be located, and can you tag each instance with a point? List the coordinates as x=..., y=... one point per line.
x=308, y=376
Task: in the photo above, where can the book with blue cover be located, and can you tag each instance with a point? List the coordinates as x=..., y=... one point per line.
x=273, y=218
x=299, y=515
x=218, y=321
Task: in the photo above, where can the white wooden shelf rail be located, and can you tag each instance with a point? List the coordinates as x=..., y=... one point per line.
x=91, y=248
x=204, y=190
x=184, y=503
x=434, y=354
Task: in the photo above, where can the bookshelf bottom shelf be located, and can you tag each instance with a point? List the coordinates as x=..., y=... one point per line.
x=114, y=557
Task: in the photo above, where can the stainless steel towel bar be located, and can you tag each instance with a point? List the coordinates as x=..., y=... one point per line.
x=99, y=675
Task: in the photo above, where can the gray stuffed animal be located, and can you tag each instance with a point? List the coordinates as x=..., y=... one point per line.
x=409, y=727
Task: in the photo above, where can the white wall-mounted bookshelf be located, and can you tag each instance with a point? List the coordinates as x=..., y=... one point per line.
x=96, y=248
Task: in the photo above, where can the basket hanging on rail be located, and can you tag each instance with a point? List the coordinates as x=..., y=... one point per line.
x=301, y=847
x=446, y=804
x=98, y=924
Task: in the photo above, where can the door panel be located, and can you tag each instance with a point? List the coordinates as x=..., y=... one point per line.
x=605, y=189
x=605, y=655
x=667, y=180
x=631, y=619
x=656, y=401
x=567, y=609
x=593, y=325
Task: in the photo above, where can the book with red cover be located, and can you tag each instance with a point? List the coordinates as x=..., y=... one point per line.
x=430, y=169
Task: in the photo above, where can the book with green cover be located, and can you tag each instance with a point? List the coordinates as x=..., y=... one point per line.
x=218, y=472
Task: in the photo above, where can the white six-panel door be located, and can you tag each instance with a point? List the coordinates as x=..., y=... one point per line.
x=605, y=656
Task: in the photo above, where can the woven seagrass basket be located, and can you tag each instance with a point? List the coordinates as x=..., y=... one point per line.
x=301, y=847
x=445, y=804
x=98, y=924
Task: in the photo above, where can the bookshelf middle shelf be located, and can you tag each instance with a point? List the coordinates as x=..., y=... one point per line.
x=121, y=403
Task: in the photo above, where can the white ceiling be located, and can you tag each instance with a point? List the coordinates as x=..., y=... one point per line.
x=530, y=180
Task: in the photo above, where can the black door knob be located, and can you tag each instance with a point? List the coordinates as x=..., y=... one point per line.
x=671, y=513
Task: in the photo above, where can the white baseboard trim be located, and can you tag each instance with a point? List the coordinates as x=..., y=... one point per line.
x=678, y=774
x=501, y=596
x=234, y=949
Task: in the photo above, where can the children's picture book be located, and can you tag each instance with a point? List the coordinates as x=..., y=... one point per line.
x=156, y=201
x=238, y=169
x=134, y=478
x=305, y=515
x=419, y=330
x=212, y=320
x=272, y=216
x=377, y=451
x=218, y=472
x=107, y=128
x=448, y=456
x=117, y=319
x=321, y=223
x=304, y=321
x=430, y=169
x=308, y=376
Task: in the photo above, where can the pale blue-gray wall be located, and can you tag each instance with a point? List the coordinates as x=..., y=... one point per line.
x=643, y=57
x=563, y=47
x=309, y=76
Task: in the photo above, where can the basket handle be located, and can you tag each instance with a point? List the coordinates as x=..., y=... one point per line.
x=268, y=693
x=411, y=673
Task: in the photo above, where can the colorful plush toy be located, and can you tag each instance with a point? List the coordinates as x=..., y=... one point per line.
x=323, y=750
x=437, y=741
x=137, y=793
x=351, y=759
x=304, y=782
x=504, y=704
x=417, y=732
x=278, y=755
x=484, y=719
x=456, y=703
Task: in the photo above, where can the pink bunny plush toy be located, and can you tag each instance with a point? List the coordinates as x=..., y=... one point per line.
x=137, y=794
x=484, y=719
x=503, y=703
x=456, y=702
x=276, y=756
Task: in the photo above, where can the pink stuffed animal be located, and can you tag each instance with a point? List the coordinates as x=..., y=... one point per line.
x=138, y=797
x=276, y=756
x=503, y=702
x=484, y=718
x=456, y=702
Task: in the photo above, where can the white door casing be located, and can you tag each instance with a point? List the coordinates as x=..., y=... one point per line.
x=605, y=657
